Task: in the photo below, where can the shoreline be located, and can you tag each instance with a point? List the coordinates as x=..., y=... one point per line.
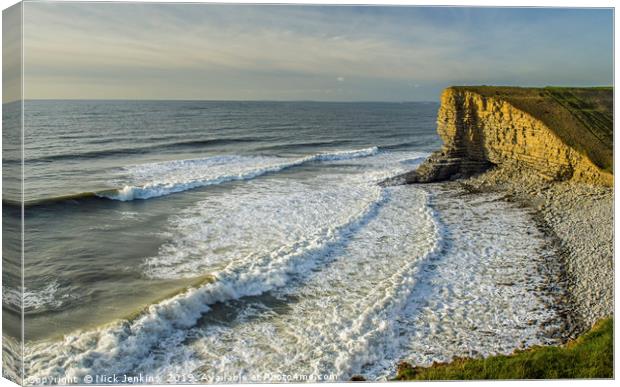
x=550, y=150
x=577, y=219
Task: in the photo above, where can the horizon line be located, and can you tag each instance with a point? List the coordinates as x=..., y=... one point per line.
x=216, y=100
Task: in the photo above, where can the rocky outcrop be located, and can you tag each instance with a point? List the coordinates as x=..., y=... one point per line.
x=481, y=130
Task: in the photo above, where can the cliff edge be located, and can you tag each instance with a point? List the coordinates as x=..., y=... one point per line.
x=558, y=133
x=536, y=147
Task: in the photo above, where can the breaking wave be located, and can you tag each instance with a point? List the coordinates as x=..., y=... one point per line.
x=165, y=178
x=129, y=345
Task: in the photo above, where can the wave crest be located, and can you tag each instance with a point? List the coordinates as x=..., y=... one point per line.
x=124, y=346
x=165, y=178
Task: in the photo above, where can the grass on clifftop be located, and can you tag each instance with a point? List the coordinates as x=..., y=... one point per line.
x=581, y=117
x=589, y=356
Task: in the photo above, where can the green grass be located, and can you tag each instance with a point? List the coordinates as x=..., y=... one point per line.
x=581, y=117
x=589, y=356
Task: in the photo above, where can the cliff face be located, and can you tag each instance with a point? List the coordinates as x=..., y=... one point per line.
x=481, y=129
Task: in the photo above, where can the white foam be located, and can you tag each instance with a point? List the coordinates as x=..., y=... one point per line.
x=346, y=315
x=357, y=278
x=11, y=359
x=409, y=285
x=256, y=219
x=130, y=346
x=263, y=215
x=165, y=178
x=485, y=295
x=34, y=299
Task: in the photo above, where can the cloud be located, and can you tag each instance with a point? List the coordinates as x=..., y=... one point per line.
x=112, y=50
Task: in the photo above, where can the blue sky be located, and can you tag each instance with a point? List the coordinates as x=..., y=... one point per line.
x=248, y=52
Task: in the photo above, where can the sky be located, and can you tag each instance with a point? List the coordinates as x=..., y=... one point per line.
x=293, y=52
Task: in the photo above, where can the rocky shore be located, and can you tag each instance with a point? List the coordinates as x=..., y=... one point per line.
x=578, y=219
x=550, y=149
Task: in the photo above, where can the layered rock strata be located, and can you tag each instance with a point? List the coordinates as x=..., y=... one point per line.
x=479, y=131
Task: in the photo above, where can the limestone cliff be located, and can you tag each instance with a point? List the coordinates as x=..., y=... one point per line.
x=558, y=133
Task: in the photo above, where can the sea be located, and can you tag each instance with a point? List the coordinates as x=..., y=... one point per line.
x=225, y=242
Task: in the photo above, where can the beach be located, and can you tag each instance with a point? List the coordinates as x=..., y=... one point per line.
x=578, y=218
x=548, y=151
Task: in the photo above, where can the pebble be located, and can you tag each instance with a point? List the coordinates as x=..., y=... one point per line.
x=580, y=217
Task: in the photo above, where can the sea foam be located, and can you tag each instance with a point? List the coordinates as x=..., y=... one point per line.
x=350, y=278
x=131, y=345
x=165, y=178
